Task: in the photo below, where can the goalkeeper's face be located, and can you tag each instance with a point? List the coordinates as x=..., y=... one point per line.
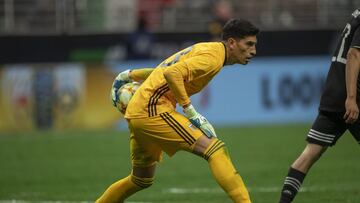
x=242, y=50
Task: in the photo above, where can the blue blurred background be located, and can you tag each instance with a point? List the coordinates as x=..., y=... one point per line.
x=58, y=58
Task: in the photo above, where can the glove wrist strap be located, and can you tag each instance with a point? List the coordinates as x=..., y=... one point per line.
x=190, y=111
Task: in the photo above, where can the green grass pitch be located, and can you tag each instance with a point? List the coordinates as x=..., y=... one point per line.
x=75, y=166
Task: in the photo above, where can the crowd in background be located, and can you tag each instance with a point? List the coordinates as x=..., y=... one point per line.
x=92, y=16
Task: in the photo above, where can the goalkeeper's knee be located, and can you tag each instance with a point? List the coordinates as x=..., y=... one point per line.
x=214, y=147
x=142, y=182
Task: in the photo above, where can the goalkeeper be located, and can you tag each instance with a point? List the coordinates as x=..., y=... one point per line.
x=155, y=126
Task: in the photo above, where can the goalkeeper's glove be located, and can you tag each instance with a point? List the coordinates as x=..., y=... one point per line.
x=199, y=121
x=120, y=80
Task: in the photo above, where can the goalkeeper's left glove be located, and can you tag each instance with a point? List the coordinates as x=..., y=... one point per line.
x=120, y=80
x=199, y=121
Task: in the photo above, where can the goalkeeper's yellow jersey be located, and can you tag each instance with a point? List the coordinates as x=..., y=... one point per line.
x=199, y=63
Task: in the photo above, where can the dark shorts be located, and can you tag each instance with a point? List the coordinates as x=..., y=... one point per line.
x=329, y=127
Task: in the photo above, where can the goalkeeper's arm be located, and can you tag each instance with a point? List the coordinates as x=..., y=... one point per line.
x=126, y=76
x=140, y=75
x=175, y=80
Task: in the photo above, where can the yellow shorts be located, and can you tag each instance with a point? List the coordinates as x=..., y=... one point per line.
x=169, y=132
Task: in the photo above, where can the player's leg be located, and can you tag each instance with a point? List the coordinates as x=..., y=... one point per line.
x=298, y=171
x=326, y=130
x=308, y=157
x=174, y=132
x=223, y=170
x=142, y=175
x=140, y=178
x=213, y=150
x=355, y=130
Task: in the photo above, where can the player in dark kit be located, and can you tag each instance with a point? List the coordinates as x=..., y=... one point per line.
x=338, y=110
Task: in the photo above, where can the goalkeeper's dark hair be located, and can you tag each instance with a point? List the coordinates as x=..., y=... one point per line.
x=238, y=28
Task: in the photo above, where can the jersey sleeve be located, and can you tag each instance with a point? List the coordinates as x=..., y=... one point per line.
x=175, y=76
x=356, y=38
x=141, y=74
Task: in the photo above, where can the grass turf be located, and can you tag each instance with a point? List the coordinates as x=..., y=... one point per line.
x=79, y=165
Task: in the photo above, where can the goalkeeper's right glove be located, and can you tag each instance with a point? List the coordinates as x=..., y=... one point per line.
x=199, y=121
x=120, y=80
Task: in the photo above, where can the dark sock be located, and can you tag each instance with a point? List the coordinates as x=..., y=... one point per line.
x=292, y=185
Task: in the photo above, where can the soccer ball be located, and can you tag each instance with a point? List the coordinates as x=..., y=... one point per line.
x=125, y=94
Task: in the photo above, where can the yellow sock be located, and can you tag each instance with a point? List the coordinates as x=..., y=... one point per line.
x=119, y=191
x=227, y=177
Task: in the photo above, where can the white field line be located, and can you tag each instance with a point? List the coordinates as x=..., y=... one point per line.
x=175, y=190
x=215, y=190
x=180, y=191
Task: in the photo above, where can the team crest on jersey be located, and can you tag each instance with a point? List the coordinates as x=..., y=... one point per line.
x=192, y=127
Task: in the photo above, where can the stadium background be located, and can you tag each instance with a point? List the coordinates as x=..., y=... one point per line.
x=61, y=140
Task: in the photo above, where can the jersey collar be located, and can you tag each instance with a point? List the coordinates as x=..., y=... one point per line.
x=225, y=53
